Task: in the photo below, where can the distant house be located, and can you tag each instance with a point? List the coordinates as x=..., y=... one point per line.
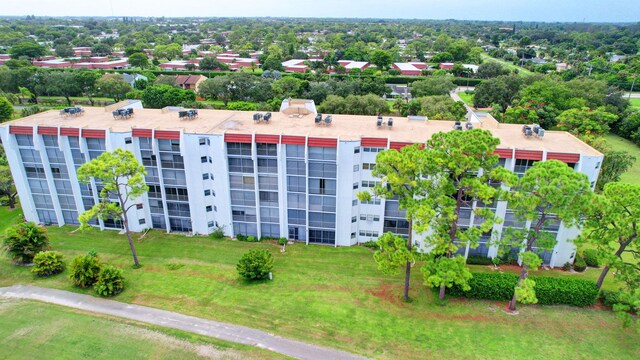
x=187, y=82
x=132, y=78
x=350, y=64
x=295, y=65
x=449, y=66
x=104, y=65
x=175, y=65
x=410, y=68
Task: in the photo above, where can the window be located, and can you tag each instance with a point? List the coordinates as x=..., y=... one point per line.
x=239, y=149
x=354, y=202
x=268, y=198
x=127, y=140
x=522, y=165
x=209, y=208
x=323, y=220
x=296, y=200
x=296, y=183
x=203, y=141
x=354, y=219
x=598, y=165
x=369, y=184
x=296, y=167
x=295, y=151
x=356, y=150
x=139, y=206
x=353, y=235
x=205, y=176
x=322, y=203
x=240, y=165
x=322, y=236
x=367, y=233
x=355, y=185
x=211, y=224
x=322, y=153
x=215, y=208
x=322, y=186
x=368, y=166
x=268, y=182
x=207, y=192
x=246, y=198
x=142, y=221
x=297, y=217
x=270, y=215
x=373, y=201
x=205, y=159
x=322, y=170
x=372, y=149
x=356, y=168
x=267, y=149
x=268, y=166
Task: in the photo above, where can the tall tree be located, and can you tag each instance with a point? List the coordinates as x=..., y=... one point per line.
x=549, y=191
x=87, y=82
x=120, y=175
x=401, y=176
x=614, y=222
x=63, y=83
x=28, y=50
x=138, y=59
x=463, y=168
x=381, y=58
x=114, y=86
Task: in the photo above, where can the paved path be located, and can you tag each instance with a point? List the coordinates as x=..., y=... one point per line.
x=224, y=331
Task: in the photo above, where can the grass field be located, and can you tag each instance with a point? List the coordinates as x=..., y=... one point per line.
x=635, y=102
x=618, y=143
x=510, y=66
x=30, y=327
x=467, y=98
x=334, y=297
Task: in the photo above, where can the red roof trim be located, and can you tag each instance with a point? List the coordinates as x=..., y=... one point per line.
x=397, y=145
x=69, y=132
x=504, y=153
x=566, y=157
x=267, y=139
x=528, y=155
x=374, y=142
x=96, y=134
x=167, y=135
x=293, y=140
x=20, y=130
x=238, y=138
x=47, y=130
x=323, y=142
x=144, y=133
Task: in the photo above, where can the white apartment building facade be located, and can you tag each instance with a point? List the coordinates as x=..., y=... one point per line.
x=289, y=177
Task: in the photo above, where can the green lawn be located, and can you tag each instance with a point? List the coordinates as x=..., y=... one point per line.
x=30, y=327
x=618, y=143
x=510, y=66
x=334, y=297
x=467, y=98
x=635, y=102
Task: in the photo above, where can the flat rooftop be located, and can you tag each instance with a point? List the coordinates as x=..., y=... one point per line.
x=343, y=127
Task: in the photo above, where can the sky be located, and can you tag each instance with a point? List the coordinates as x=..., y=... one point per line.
x=508, y=10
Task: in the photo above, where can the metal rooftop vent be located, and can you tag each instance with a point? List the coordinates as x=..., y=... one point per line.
x=72, y=111
x=533, y=130
x=122, y=113
x=189, y=114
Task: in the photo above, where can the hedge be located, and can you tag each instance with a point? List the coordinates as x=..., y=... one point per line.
x=549, y=290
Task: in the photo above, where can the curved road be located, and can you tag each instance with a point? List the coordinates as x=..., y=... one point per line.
x=224, y=331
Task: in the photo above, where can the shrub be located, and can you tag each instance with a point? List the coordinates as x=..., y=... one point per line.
x=479, y=260
x=371, y=245
x=251, y=238
x=579, y=265
x=110, y=281
x=566, y=266
x=569, y=291
x=490, y=286
x=48, y=263
x=591, y=257
x=241, y=237
x=609, y=298
x=31, y=110
x=549, y=290
x=283, y=241
x=23, y=241
x=256, y=264
x=85, y=270
x=218, y=233
x=241, y=106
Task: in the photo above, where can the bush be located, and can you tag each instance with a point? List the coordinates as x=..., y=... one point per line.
x=252, y=238
x=31, y=110
x=256, y=264
x=23, y=241
x=110, y=281
x=479, y=260
x=48, y=263
x=283, y=241
x=569, y=291
x=371, y=245
x=241, y=237
x=566, y=266
x=591, y=257
x=85, y=270
x=579, y=265
x=241, y=106
x=609, y=298
x=549, y=290
x=249, y=238
x=218, y=233
x=490, y=286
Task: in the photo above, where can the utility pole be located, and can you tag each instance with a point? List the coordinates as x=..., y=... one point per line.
x=632, y=84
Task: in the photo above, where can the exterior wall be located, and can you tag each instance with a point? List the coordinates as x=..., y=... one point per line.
x=303, y=188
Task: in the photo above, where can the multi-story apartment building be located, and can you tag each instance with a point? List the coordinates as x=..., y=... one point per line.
x=291, y=176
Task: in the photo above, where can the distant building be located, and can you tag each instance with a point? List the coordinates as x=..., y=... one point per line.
x=186, y=82
x=295, y=65
x=132, y=78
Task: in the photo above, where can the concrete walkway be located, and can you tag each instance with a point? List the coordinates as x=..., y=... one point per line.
x=219, y=330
